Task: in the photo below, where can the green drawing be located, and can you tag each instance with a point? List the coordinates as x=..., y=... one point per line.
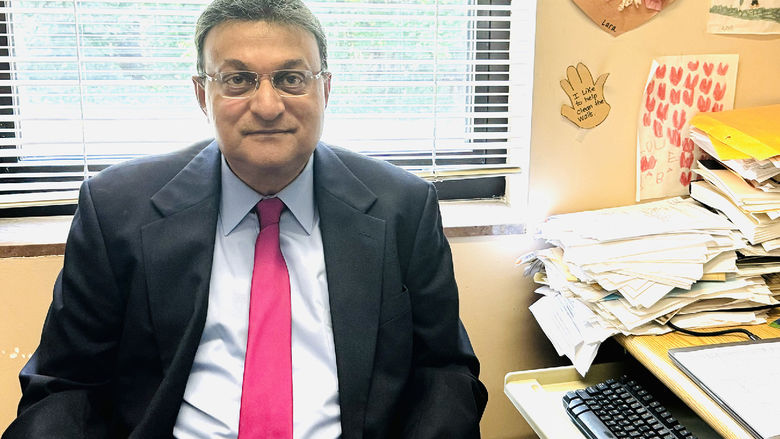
x=767, y=14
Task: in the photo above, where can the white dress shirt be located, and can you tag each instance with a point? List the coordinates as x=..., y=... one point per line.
x=212, y=398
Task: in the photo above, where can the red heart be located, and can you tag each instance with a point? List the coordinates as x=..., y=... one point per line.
x=650, y=87
x=658, y=129
x=662, y=91
x=692, y=66
x=646, y=120
x=722, y=69
x=650, y=103
x=685, y=178
x=674, y=96
x=705, y=85
x=646, y=164
x=704, y=104
x=660, y=72
x=679, y=123
x=675, y=74
x=674, y=136
x=716, y=107
x=660, y=113
x=686, y=160
x=707, y=68
x=719, y=91
x=691, y=81
x=688, y=97
x=687, y=145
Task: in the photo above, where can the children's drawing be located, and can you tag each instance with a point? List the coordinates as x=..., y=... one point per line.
x=588, y=105
x=677, y=88
x=618, y=16
x=744, y=17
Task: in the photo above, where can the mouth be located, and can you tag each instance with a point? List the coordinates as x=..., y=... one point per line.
x=267, y=132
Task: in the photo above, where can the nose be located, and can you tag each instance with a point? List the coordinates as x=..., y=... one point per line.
x=266, y=102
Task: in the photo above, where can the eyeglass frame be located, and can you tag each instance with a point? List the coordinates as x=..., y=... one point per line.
x=259, y=77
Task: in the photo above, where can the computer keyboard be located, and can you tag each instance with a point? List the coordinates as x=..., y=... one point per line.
x=621, y=408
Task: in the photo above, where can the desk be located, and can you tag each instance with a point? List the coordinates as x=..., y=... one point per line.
x=651, y=352
x=536, y=394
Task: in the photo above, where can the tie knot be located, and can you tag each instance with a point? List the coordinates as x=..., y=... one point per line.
x=269, y=210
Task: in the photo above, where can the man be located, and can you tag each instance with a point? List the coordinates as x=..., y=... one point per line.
x=149, y=333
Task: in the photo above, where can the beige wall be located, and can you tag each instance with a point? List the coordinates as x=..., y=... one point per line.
x=573, y=169
x=25, y=294
x=494, y=300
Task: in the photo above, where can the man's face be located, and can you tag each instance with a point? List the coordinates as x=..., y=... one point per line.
x=266, y=139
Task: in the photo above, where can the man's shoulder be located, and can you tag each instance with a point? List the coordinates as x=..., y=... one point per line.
x=150, y=170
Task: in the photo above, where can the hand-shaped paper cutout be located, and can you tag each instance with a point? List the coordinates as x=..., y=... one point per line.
x=588, y=106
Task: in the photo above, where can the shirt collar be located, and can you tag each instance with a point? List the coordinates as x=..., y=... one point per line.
x=238, y=199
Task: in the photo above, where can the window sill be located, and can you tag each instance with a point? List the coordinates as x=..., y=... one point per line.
x=480, y=218
x=33, y=236
x=43, y=236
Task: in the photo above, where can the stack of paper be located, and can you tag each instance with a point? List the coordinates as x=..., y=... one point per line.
x=757, y=227
x=632, y=269
x=643, y=251
x=773, y=283
x=739, y=192
x=755, y=171
x=743, y=182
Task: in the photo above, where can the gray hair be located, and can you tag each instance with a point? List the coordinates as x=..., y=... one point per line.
x=284, y=12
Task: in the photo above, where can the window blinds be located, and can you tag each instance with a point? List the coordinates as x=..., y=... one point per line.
x=424, y=84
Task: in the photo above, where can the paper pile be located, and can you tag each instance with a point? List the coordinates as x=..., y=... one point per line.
x=632, y=269
x=743, y=181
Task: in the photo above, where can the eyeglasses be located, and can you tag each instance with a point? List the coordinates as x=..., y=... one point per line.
x=243, y=85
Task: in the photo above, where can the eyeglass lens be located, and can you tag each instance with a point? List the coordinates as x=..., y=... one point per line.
x=244, y=84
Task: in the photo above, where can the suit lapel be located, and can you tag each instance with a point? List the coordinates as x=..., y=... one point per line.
x=353, y=244
x=178, y=250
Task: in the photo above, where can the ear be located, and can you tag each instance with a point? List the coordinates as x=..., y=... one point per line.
x=326, y=89
x=200, y=93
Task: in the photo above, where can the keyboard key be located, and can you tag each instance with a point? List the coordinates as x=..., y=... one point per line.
x=583, y=395
x=591, y=423
x=576, y=411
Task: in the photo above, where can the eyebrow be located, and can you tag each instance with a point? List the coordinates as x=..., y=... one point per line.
x=237, y=64
x=289, y=64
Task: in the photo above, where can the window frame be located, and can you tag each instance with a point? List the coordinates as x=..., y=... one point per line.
x=514, y=189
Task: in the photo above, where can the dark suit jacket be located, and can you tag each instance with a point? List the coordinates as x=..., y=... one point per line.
x=130, y=303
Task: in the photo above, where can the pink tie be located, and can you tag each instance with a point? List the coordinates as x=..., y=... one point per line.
x=266, y=395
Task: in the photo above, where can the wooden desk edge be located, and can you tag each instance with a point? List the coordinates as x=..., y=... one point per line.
x=652, y=352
